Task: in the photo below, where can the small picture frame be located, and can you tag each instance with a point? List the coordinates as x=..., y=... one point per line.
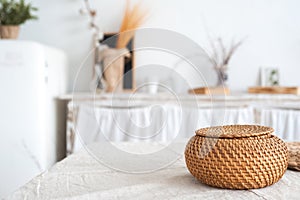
x=269, y=76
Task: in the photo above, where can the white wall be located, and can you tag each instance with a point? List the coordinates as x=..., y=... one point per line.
x=272, y=28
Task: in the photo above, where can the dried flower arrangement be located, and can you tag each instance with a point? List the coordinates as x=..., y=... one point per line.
x=220, y=56
x=134, y=17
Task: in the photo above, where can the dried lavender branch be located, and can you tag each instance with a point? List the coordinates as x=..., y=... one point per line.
x=222, y=46
x=211, y=54
x=210, y=58
x=232, y=50
x=214, y=54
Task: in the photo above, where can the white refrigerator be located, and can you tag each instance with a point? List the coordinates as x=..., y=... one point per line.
x=32, y=132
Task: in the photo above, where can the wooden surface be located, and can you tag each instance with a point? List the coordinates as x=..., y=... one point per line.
x=210, y=90
x=274, y=90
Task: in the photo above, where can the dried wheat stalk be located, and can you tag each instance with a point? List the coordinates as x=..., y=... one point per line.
x=134, y=17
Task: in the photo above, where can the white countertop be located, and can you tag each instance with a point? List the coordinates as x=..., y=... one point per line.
x=126, y=96
x=217, y=101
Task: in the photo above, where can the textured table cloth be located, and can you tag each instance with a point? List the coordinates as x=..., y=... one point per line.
x=80, y=176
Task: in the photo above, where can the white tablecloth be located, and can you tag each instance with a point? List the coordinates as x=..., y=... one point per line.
x=163, y=117
x=158, y=123
x=80, y=176
x=286, y=122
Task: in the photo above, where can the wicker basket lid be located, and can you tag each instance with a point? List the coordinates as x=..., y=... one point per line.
x=235, y=131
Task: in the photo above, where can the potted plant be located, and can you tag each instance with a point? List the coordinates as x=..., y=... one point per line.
x=12, y=15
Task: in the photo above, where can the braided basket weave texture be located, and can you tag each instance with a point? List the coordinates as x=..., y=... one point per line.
x=294, y=155
x=236, y=156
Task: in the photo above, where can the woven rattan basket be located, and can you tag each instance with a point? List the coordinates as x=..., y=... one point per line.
x=294, y=155
x=236, y=156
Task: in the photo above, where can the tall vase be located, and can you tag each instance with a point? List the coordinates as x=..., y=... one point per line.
x=113, y=74
x=113, y=65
